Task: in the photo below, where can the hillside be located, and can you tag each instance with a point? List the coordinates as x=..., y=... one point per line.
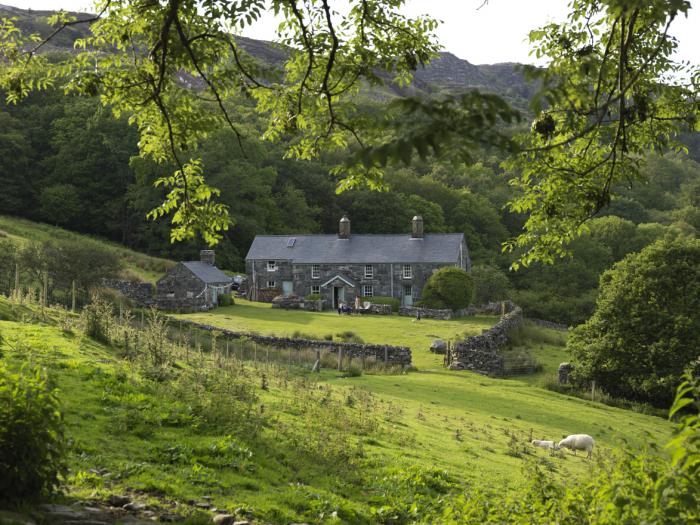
x=277, y=444
x=446, y=74
x=134, y=265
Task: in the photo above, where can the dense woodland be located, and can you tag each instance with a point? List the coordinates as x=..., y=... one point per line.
x=68, y=162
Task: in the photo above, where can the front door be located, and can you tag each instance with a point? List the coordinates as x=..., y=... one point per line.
x=407, y=295
x=287, y=287
x=338, y=296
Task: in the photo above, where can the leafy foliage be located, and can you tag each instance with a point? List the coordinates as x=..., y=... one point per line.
x=644, y=332
x=32, y=446
x=449, y=287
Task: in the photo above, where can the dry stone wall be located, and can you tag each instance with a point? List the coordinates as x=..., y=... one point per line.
x=390, y=355
x=140, y=292
x=482, y=353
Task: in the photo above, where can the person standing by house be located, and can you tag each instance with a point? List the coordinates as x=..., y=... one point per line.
x=358, y=303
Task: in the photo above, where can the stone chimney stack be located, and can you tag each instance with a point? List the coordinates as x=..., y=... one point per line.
x=417, y=227
x=344, y=228
x=207, y=256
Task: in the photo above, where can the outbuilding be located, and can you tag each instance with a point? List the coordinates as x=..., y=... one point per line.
x=193, y=285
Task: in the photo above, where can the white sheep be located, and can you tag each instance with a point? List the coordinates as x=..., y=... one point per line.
x=549, y=445
x=578, y=442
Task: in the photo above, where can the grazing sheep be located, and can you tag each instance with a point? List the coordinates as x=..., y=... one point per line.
x=544, y=444
x=578, y=442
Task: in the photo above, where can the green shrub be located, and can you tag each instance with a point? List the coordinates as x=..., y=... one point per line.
x=226, y=300
x=490, y=284
x=449, y=287
x=32, y=446
x=348, y=336
x=382, y=299
x=313, y=297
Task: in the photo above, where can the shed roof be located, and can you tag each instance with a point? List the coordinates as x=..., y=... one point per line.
x=206, y=272
x=359, y=248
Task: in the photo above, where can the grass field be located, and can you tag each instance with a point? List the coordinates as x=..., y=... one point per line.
x=261, y=318
x=288, y=445
x=134, y=264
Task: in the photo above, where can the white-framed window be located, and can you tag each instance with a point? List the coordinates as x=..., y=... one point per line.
x=316, y=289
x=271, y=266
x=408, y=290
x=369, y=271
x=315, y=271
x=190, y=295
x=407, y=271
x=271, y=284
x=368, y=290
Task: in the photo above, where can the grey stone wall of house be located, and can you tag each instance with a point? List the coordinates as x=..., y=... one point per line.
x=182, y=304
x=178, y=283
x=482, y=353
x=391, y=355
x=141, y=293
x=387, y=279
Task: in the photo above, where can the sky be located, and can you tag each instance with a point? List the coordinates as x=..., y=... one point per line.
x=480, y=33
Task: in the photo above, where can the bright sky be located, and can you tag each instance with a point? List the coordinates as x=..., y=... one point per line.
x=494, y=32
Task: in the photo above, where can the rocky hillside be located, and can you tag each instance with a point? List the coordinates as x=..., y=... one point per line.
x=446, y=74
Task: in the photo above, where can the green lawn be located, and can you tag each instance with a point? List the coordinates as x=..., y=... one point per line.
x=261, y=318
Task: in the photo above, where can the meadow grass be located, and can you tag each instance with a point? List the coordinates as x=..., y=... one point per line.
x=134, y=264
x=261, y=318
x=294, y=445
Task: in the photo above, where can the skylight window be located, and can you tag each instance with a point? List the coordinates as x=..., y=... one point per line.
x=291, y=241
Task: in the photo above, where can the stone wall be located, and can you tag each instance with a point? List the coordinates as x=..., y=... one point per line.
x=492, y=308
x=391, y=355
x=548, y=324
x=431, y=313
x=141, y=293
x=182, y=305
x=482, y=353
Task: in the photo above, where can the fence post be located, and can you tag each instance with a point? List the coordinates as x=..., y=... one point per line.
x=593, y=390
x=72, y=296
x=340, y=358
x=386, y=355
x=18, y=293
x=317, y=365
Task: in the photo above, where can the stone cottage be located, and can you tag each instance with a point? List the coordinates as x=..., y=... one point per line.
x=192, y=285
x=341, y=267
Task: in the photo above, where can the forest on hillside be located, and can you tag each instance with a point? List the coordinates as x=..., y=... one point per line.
x=69, y=162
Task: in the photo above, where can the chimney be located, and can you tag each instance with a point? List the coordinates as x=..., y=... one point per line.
x=417, y=227
x=207, y=256
x=344, y=228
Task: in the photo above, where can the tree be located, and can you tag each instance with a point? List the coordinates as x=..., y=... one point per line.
x=605, y=98
x=490, y=284
x=449, y=287
x=645, y=330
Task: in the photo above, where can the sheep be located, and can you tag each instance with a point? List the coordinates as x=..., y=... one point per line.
x=544, y=444
x=578, y=442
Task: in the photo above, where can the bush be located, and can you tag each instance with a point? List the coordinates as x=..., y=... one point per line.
x=348, y=336
x=226, y=300
x=32, y=446
x=645, y=330
x=490, y=284
x=449, y=287
x=313, y=297
x=381, y=299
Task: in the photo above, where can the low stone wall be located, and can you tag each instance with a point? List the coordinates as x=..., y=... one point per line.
x=492, y=308
x=426, y=313
x=481, y=353
x=137, y=291
x=380, y=309
x=548, y=324
x=391, y=355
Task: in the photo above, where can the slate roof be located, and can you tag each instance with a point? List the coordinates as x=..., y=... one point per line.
x=359, y=248
x=206, y=272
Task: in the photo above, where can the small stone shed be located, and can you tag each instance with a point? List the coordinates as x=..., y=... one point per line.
x=193, y=285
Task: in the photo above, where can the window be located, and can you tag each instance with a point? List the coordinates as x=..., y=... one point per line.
x=316, y=289
x=271, y=266
x=368, y=290
x=271, y=284
x=315, y=271
x=369, y=271
x=407, y=290
x=190, y=295
x=407, y=271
